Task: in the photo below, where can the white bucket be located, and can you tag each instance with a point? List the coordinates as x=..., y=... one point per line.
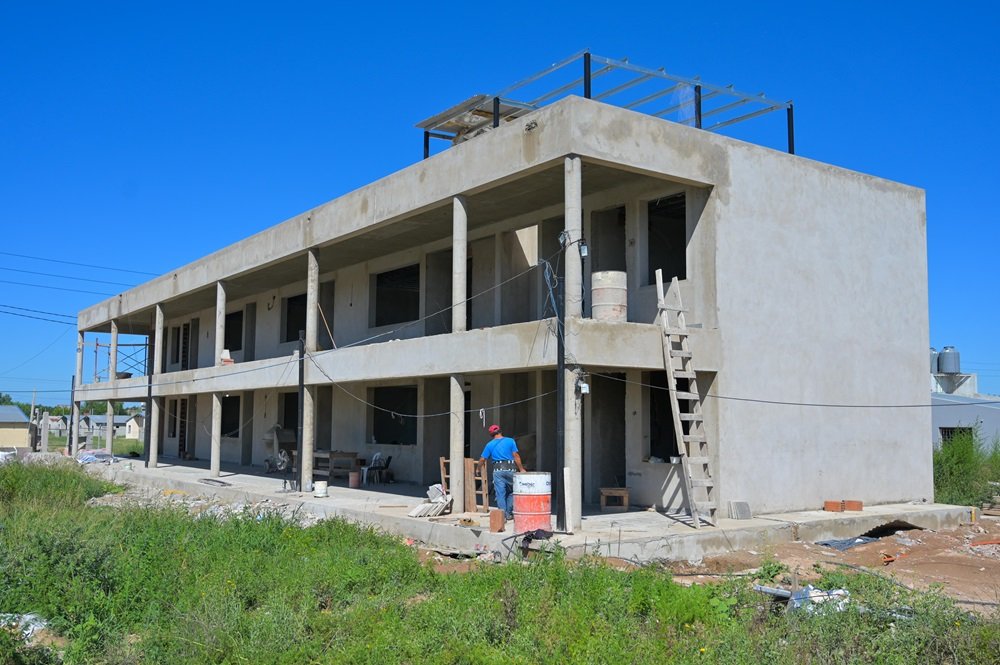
x=609, y=296
x=7, y=456
x=319, y=489
x=533, y=482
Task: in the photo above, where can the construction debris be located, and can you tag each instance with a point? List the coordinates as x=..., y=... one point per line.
x=437, y=503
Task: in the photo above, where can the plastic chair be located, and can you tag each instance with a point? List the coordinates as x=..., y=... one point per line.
x=374, y=465
x=381, y=469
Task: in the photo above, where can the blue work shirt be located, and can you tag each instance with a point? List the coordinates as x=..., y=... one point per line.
x=500, y=450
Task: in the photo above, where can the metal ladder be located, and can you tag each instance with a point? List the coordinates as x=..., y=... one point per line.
x=686, y=407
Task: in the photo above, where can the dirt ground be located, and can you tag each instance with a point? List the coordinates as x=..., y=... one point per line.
x=964, y=561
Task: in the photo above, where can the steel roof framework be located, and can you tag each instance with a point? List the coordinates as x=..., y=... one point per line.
x=481, y=112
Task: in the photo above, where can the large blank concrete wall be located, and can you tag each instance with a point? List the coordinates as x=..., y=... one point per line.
x=822, y=298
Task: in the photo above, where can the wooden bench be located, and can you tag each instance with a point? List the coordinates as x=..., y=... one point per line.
x=621, y=493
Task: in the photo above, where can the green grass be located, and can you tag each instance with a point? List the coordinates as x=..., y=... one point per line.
x=159, y=586
x=964, y=467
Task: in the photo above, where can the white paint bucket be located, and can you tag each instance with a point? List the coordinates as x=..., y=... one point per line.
x=319, y=489
x=609, y=296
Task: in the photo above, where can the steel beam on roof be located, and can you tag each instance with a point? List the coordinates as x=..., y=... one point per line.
x=729, y=90
x=655, y=95
x=726, y=107
x=569, y=86
x=624, y=86
x=686, y=102
x=535, y=77
x=726, y=123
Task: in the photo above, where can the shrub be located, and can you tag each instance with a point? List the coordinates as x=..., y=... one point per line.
x=962, y=469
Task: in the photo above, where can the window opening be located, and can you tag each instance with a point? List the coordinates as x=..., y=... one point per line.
x=234, y=331
x=666, y=240
x=230, y=417
x=397, y=296
x=294, y=316
x=388, y=425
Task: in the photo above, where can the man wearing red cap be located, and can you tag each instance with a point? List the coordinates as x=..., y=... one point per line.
x=502, y=451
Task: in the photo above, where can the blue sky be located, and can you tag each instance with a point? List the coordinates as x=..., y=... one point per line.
x=144, y=137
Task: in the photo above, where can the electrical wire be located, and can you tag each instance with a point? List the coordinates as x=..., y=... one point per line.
x=39, y=311
x=37, y=318
x=55, y=288
x=73, y=277
x=806, y=404
x=82, y=265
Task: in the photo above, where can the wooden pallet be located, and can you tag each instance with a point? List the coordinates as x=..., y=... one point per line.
x=477, y=492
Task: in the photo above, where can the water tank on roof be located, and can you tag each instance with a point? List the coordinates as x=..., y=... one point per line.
x=948, y=361
x=934, y=361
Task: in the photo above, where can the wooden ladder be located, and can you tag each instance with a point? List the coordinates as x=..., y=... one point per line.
x=686, y=406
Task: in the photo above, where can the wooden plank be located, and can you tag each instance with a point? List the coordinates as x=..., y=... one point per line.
x=445, y=462
x=691, y=417
x=703, y=482
x=679, y=353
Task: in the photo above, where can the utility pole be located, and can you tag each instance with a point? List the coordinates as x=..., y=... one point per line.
x=302, y=390
x=557, y=477
x=31, y=423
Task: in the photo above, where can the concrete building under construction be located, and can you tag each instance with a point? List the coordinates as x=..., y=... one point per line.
x=430, y=303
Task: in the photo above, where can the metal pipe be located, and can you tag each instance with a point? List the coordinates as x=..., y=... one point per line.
x=427, y=144
x=791, y=129
x=586, y=75
x=697, y=106
x=496, y=112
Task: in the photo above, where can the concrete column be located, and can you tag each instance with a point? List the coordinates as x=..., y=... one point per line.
x=78, y=380
x=459, y=263
x=216, y=460
x=573, y=425
x=456, y=438
x=308, y=435
x=156, y=406
x=113, y=353
x=109, y=435
x=312, y=302
x=44, y=443
x=220, y=321
x=459, y=282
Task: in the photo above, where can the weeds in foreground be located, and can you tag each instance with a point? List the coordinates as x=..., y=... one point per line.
x=160, y=586
x=963, y=468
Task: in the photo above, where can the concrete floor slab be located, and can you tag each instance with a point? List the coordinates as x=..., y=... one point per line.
x=641, y=536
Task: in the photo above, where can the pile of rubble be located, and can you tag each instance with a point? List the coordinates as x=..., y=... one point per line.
x=203, y=507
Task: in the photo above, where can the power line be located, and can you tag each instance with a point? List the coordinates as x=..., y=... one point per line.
x=37, y=318
x=810, y=404
x=83, y=265
x=38, y=311
x=55, y=288
x=73, y=277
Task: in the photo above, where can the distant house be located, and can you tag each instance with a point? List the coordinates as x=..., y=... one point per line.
x=13, y=426
x=99, y=425
x=134, y=426
x=952, y=414
x=58, y=425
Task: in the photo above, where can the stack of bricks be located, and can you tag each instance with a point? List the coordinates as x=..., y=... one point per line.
x=849, y=505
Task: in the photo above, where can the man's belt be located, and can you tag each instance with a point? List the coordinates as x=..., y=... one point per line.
x=504, y=465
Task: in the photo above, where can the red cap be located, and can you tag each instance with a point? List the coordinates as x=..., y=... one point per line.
x=494, y=429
